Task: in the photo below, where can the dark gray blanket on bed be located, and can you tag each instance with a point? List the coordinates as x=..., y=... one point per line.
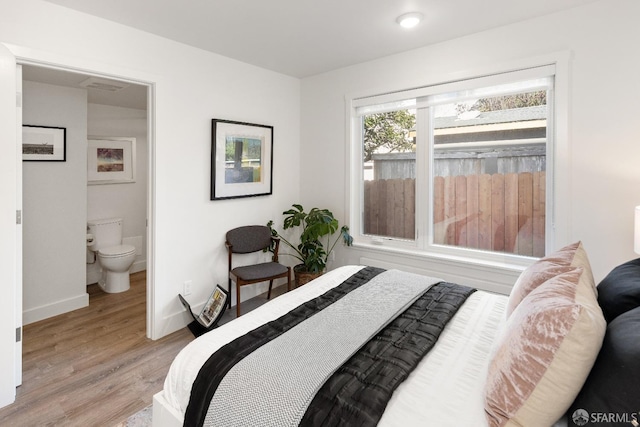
x=340, y=363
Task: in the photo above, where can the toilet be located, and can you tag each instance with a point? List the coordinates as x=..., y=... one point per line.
x=115, y=258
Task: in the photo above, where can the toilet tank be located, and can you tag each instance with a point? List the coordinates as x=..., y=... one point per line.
x=106, y=232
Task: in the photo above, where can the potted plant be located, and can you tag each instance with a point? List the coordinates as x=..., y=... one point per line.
x=316, y=229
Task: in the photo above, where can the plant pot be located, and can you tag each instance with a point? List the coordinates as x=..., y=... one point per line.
x=302, y=276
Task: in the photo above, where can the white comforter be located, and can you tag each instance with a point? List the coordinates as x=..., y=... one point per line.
x=446, y=389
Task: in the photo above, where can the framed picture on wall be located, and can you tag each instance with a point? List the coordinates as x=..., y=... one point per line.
x=44, y=144
x=111, y=160
x=241, y=159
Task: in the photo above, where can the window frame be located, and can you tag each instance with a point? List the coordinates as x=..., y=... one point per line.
x=556, y=227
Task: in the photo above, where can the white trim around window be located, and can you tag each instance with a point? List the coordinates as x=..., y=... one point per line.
x=558, y=162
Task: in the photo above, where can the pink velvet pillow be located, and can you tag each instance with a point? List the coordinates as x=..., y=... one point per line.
x=559, y=262
x=544, y=354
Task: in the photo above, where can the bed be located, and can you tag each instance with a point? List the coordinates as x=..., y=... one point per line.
x=480, y=359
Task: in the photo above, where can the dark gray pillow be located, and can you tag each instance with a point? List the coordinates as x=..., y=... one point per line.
x=619, y=292
x=612, y=385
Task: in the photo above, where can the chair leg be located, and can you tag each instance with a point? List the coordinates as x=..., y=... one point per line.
x=288, y=278
x=237, y=299
x=270, y=285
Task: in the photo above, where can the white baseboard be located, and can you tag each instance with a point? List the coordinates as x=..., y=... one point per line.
x=55, y=308
x=137, y=266
x=173, y=322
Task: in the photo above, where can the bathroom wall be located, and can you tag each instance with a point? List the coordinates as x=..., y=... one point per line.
x=55, y=207
x=129, y=200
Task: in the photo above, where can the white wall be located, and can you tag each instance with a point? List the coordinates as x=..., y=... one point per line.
x=55, y=207
x=191, y=87
x=603, y=175
x=129, y=200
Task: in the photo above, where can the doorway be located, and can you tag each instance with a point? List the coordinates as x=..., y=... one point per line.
x=112, y=106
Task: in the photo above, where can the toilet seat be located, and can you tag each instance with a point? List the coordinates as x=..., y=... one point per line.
x=117, y=251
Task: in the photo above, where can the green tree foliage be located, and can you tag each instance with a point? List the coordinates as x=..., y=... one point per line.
x=388, y=130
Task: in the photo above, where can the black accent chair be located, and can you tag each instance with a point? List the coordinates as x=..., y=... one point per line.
x=248, y=239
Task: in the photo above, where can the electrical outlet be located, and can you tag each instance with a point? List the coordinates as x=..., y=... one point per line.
x=187, y=287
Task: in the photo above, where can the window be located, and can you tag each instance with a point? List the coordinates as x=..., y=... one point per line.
x=389, y=173
x=457, y=167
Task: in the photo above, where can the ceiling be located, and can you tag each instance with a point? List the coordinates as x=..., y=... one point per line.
x=302, y=38
x=299, y=38
x=130, y=96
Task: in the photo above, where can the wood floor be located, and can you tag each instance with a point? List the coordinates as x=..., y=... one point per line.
x=93, y=366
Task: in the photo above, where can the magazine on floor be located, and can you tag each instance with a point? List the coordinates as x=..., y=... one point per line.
x=212, y=310
x=214, y=307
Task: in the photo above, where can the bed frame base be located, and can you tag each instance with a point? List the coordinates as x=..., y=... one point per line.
x=163, y=414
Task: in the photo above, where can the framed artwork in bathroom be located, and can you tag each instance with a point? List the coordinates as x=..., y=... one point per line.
x=241, y=159
x=44, y=144
x=111, y=160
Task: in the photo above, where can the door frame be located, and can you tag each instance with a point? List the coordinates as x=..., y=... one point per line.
x=19, y=245
x=26, y=56
x=11, y=305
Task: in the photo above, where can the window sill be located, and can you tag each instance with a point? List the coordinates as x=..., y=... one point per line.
x=490, y=275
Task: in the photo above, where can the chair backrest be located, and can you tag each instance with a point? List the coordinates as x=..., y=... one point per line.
x=250, y=238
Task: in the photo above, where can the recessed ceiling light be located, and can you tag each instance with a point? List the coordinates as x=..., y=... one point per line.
x=409, y=20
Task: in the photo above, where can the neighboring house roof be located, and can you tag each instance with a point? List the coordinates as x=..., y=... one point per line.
x=493, y=117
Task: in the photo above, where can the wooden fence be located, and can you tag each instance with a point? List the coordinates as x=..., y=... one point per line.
x=499, y=212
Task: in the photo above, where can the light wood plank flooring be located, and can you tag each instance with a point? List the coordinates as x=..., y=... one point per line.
x=93, y=366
